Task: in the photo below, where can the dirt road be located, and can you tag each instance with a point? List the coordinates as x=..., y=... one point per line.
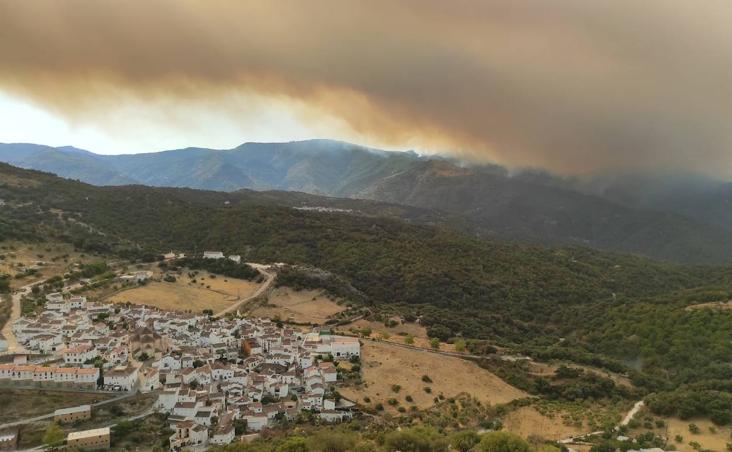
x=269, y=279
x=7, y=331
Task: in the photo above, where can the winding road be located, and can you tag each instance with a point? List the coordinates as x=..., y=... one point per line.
x=269, y=279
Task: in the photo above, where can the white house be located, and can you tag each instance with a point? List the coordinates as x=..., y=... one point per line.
x=126, y=378
x=213, y=255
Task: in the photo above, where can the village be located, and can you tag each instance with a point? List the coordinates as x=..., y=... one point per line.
x=212, y=376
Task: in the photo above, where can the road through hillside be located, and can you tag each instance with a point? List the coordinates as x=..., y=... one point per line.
x=269, y=279
x=7, y=331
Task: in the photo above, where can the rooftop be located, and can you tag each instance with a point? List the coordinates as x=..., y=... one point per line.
x=88, y=433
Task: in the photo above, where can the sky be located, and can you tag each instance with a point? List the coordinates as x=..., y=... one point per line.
x=568, y=85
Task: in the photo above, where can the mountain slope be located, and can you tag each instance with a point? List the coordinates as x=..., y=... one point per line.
x=572, y=304
x=517, y=208
x=489, y=200
x=390, y=260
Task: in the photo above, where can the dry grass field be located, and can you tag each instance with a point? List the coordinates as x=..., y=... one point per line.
x=24, y=403
x=548, y=369
x=397, y=333
x=305, y=306
x=49, y=259
x=185, y=295
x=710, y=436
x=385, y=365
x=527, y=421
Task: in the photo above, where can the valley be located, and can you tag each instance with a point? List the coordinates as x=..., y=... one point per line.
x=495, y=322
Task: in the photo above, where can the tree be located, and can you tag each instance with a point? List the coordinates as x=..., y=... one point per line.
x=435, y=343
x=460, y=345
x=415, y=439
x=331, y=441
x=409, y=339
x=464, y=441
x=502, y=442
x=293, y=444
x=53, y=435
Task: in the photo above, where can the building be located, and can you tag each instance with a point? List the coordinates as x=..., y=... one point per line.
x=213, y=255
x=73, y=414
x=236, y=258
x=124, y=377
x=9, y=440
x=97, y=438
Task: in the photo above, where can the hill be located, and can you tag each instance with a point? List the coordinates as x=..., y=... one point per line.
x=621, y=312
x=480, y=199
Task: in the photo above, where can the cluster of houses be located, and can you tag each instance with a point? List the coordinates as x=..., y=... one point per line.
x=211, y=375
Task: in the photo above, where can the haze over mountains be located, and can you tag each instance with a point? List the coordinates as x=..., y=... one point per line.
x=672, y=218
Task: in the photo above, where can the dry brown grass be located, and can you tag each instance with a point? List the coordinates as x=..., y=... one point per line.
x=710, y=436
x=384, y=365
x=720, y=305
x=24, y=403
x=527, y=421
x=185, y=295
x=548, y=369
x=305, y=306
x=50, y=254
x=707, y=439
x=398, y=333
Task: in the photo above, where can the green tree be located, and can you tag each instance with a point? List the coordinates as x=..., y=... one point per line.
x=464, y=441
x=415, y=439
x=53, y=435
x=330, y=441
x=293, y=444
x=460, y=345
x=502, y=442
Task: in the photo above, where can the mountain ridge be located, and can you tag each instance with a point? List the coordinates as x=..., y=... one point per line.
x=529, y=206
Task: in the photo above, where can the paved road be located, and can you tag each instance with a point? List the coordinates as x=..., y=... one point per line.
x=269, y=279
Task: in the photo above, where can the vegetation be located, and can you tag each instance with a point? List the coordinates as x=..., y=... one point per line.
x=225, y=267
x=623, y=313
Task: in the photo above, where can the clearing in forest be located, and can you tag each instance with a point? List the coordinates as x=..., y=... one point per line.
x=384, y=365
x=186, y=294
x=304, y=306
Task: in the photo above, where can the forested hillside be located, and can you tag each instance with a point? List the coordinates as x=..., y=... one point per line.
x=486, y=200
x=589, y=306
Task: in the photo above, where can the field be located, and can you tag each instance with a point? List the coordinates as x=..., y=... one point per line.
x=45, y=259
x=527, y=421
x=397, y=333
x=548, y=369
x=31, y=434
x=305, y=306
x=710, y=436
x=24, y=403
x=206, y=292
x=385, y=365
x=709, y=440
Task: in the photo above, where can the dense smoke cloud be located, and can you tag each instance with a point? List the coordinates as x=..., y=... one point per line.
x=571, y=85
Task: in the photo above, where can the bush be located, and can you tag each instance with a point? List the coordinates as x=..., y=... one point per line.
x=502, y=442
